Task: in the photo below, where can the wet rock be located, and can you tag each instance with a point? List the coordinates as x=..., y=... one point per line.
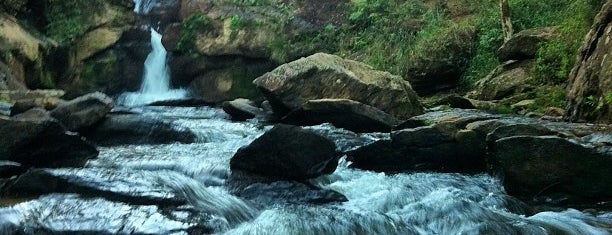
x=137, y=129
x=289, y=192
x=23, y=100
x=324, y=76
x=84, y=111
x=133, y=187
x=590, y=95
x=525, y=44
x=544, y=165
x=71, y=214
x=519, y=129
x=343, y=113
x=9, y=168
x=287, y=152
x=34, y=139
x=241, y=109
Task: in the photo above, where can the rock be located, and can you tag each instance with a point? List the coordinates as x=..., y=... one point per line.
x=95, y=41
x=519, y=129
x=9, y=168
x=287, y=152
x=324, y=76
x=554, y=112
x=133, y=187
x=137, y=129
x=543, y=165
x=71, y=214
x=84, y=111
x=14, y=38
x=522, y=105
x=34, y=139
x=590, y=95
x=455, y=101
x=10, y=79
x=525, y=44
x=23, y=100
x=288, y=192
x=343, y=113
x=438, y=67
x=241, y=109
x=506, y=80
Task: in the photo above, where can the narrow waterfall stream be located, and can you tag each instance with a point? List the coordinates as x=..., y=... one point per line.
x=156, y=79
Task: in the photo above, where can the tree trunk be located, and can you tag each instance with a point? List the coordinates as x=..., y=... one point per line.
x=505, y=19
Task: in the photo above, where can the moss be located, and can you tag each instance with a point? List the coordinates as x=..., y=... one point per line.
x=96, y=73
x=549, y=96
x=68, y=20
x=504, y=109
x=193, y=25
x=242, y=85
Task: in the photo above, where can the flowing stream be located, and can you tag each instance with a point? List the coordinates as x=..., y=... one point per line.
x=408, y=203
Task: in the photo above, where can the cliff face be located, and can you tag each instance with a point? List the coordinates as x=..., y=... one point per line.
x=590, y=95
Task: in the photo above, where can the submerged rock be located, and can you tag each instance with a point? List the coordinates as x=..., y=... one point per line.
x=84, y=111
x=71, y=214
x=343, y=113
x=133, y=187
x=287, y=152
x=289, y=192
x=34, y=139
x=9, y=168
x=324, y=76
x=137, y=129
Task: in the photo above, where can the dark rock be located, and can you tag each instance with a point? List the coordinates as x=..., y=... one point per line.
x=525, y=44
x=133, y=187
x=83, y=111
x=456, y=101
x=520, y=129
x=34, y=139
x=343, y=113
x=137, y=129
x=543, y=165
x=287, y=152
x=324, y=76
x=9, y=168
x=241, y=109
x=71, y=214
x=289, y=192
x=590, y=93
x=380, y=156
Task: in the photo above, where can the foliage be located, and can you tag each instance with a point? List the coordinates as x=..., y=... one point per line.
x=67, y=20
x=549, y=96
x=193, y=25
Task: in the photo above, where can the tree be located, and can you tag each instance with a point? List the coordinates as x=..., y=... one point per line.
x=505, y=19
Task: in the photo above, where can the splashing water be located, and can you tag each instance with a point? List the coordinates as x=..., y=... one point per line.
x=144, y=6
x=156, y=79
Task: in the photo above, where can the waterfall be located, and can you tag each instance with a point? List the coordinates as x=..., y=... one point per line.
x=144, y=6
x=156, y=79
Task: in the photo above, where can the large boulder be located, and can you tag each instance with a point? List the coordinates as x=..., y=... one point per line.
x=23, y=100
x=506, y=80
x=543, y=165
x=343, y=113
x=34, y=139
x=287, y=152
x=525, y=44
x=118, y=129
x=242, y=109
x=590, y=96
x=83, y=111
x=324, y=76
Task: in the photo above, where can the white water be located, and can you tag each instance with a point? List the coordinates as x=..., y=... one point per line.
x=144, y=6
x=156, y=79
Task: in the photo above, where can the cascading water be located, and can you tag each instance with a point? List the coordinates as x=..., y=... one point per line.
x=144, y=6
x=156, y=79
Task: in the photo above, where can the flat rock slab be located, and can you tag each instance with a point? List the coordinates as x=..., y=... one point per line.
x=134, y=187
x=70, y=214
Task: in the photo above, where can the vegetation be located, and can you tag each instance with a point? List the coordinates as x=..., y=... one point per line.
x=67, y=20
x=193, y=25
